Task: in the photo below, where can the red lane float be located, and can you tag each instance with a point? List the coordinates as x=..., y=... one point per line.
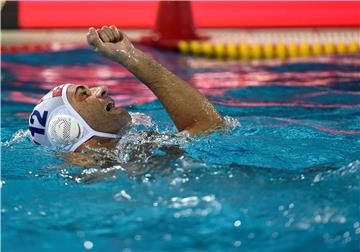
x=207, y=14
x=30, y=48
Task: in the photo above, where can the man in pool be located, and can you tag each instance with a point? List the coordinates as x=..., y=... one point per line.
x=76, y=117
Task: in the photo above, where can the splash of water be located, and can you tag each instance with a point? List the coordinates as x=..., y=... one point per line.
x=349, y=169
x=16, y=138
x=231, y=122
x=141, y=119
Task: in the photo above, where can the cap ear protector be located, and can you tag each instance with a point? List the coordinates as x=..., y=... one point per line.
x=65, y=130
x=55, y=123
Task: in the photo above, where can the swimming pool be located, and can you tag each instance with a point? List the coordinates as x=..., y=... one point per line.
x=284, y=177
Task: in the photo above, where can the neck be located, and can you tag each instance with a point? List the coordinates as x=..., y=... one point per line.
x=98, y=142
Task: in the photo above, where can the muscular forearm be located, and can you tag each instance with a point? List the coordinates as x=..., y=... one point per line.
x=187, y=107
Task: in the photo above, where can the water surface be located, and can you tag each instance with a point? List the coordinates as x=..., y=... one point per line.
x=284, y=176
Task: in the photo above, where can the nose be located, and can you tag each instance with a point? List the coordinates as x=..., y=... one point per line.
x=101, y=92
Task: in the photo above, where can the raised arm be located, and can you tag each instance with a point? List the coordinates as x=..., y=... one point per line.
x=190, y=110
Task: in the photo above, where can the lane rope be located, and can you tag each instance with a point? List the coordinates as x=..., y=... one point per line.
x=267, y=47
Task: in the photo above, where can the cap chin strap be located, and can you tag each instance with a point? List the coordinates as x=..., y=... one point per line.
x=88, y=131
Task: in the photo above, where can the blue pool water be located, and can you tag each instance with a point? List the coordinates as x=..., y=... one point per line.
x=284, y=177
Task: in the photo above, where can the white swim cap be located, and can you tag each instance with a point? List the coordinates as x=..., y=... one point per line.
x=55, y=123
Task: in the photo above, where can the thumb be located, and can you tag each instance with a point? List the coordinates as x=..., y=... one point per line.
x=94, y=40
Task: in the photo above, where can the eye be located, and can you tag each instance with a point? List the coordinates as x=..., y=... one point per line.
x=85, y=92
x=82, y=92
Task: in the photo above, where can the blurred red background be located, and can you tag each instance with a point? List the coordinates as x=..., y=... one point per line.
x=207, y=14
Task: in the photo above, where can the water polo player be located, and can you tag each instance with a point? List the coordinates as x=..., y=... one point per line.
x=75, y=117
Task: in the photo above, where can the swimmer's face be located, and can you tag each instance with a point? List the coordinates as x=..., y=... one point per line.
x=97, y=108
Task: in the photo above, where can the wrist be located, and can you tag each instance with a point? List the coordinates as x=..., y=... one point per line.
x=129, y=58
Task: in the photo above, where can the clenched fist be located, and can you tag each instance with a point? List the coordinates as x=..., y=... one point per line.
x=111, y=43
